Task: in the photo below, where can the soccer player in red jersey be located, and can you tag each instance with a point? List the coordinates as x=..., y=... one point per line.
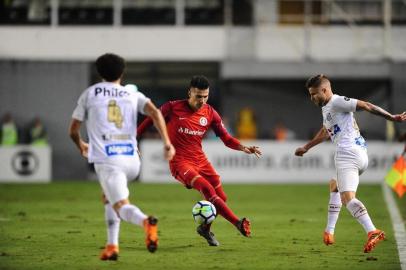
x=187, y=122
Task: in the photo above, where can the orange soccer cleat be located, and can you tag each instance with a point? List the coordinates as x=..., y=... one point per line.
x=244, y=226
x=374, y=237
x=110, y=252
x=151, y=233
x=328, y=238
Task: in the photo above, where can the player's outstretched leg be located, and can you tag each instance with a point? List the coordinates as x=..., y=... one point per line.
x=359, y=211
x=151, y=233
x=204, y=231
x=134, y=215
x=209, y=193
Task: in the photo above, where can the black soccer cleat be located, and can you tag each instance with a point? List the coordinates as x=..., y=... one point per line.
x=208, y=235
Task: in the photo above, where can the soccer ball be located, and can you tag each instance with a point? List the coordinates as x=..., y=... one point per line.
x=204, y=212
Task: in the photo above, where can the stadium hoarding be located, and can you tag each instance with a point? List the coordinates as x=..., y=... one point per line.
x=25, y=164
x=278, y=163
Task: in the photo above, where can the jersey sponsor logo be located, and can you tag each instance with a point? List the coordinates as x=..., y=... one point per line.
x=203, y=121
x=114, y=92
x=191, y=132
x=120, y=149
x=182, y=118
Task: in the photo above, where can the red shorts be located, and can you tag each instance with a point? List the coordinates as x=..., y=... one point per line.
x=185, y=172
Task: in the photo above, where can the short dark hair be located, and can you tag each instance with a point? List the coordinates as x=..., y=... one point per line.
x=199, y=82
x=316, y=81
x=110, y=66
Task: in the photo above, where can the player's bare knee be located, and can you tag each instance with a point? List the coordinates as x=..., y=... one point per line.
x=346, y=197
x=333, y=185
x=119, y=204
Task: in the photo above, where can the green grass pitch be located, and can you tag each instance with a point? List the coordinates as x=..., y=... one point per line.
x=61, y=226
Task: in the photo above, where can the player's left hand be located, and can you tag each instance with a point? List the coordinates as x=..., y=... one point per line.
x=399, y=117
x=252, y=150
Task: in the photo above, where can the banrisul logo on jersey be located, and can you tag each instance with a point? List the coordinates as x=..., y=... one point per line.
x=120, y=149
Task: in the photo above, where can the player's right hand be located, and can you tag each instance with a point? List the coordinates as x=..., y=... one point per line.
x=300, y=151
x=84, y=148
x=169, y=152
x=399, y=117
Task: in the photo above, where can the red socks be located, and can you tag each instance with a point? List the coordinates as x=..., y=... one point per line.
x=210, y=194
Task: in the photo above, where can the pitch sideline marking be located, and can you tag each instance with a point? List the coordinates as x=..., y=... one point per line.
x=398, y=225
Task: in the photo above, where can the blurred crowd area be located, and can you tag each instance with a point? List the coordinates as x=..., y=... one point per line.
x=12, y=133
x=198, y=12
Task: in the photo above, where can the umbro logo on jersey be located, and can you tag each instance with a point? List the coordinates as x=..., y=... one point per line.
x=329, y=118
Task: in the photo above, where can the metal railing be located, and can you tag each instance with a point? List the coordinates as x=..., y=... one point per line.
x=202, y=12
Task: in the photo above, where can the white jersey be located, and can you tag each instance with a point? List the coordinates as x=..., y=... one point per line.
x=110, y=111
x=339, y=121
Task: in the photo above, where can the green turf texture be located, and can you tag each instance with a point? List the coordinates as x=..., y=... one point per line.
x=61, y=226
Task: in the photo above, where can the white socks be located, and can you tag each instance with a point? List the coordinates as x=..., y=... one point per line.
x=358, y=210
x=132, y=214
x=334, y=207
x=112, y=223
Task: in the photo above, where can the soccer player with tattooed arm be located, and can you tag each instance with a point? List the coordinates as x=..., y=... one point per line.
x=110, y=112
x=187, y=122
x=351, y=157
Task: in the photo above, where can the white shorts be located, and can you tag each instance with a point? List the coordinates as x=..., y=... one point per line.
x=114, y=174
x=350, y=164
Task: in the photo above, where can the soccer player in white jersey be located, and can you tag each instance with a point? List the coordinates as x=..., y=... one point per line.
x=351, y=153
x=110, y=111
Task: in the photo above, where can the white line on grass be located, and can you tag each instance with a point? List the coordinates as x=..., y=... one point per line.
x=398, y=225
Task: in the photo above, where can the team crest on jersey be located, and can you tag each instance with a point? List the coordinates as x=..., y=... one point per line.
x=203, y=121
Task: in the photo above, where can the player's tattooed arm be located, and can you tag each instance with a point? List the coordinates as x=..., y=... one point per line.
x=159, y=123
x=320, y=137
x=374, y=109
